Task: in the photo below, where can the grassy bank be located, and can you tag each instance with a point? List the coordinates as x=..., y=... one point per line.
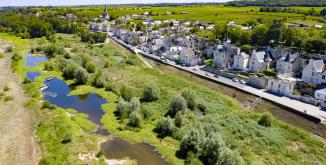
x=60, y=137
x=279, y=144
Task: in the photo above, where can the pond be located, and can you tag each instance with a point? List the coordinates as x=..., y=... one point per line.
x=34, y=60
x=32, y=75
x=143, y=153
x=58, y=91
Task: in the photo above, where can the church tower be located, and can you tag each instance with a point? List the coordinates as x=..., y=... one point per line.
x=105, y=14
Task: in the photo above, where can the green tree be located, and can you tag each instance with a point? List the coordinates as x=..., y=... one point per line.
x=151, y=92
x=177, y=103
x=191, y=142
x=259, y=35
x=316, y=44
x=212, y=147
x=134, y=119
x=276, y=31
x=190, y=97
x=81, y=76
x=165, y=127
x=69, y=70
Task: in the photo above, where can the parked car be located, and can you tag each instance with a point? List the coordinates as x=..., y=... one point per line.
x=216, y=76
x=242, y=82
x=194, y=69
x=235, y=80
x=207, y=75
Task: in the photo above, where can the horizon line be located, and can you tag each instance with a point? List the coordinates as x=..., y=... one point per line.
x=171, y=3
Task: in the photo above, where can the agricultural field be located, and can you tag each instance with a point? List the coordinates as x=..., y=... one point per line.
x=211, y=13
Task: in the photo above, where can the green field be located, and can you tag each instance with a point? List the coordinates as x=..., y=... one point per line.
x=279, y=144
x=211, y=13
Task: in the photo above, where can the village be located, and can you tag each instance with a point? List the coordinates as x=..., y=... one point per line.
x=278, y=71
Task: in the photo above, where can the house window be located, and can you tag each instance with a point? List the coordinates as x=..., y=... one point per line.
x=323, y=77
x=279, y=85
x=271, y=83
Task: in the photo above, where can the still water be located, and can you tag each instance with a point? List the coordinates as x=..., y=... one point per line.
x=57, y=93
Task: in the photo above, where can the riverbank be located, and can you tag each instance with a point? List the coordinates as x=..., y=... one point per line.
x=246, y=99
x=310, y=111
x=17, y=128
x=222, y=114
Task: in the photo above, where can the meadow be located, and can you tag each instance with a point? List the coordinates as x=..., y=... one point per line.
x=280, y=144
x=210, y=13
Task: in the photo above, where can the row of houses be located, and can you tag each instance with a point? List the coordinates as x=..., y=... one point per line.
x=189, y=50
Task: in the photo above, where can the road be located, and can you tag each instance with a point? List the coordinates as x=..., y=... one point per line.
x=301, y=107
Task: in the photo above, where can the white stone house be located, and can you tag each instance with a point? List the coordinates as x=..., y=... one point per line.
x=188, y=57
x=260, y=61
x=223, y=55
x=310, y=73
x=289, y=65
x=281, y=86
x=155, y=46
x=241, y=61
x=320, y=95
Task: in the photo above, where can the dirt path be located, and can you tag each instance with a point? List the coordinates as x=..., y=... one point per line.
x=17, y=145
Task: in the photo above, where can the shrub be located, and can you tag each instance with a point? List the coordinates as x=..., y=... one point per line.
x=100, y=82
x=265, y=120
x=90, y=67
x=151, y=92
x=146, y=113
x=227, y=156
x=26, y=80
x=179, y=120
x=1, y=55
x=131, y=62
x=212, y=148
x=8, y=98
x=202, y=107
x=134, y=104
x=16, y=57
x=81, y=76
x=165, y=127
x=48, y=66
x=9, y=49
x=125, y=93
x=177, y=104
x=190, y=97
x=6, y=88
x=69, y=70
x=134, y=119
x=122, y=108
x=191, y=142
x=111, y=87
x=270, y=73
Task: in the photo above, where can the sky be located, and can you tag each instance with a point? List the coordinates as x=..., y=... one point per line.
x=90, y=2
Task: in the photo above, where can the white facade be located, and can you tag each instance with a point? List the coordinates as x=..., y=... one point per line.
x=312, y=70
x=320, y=95
x=283, y=87
x=241, y=61
x=188, y=57
x=259, y=61
x=289, y=64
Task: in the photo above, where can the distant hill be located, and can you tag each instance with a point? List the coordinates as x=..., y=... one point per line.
x=277, y=3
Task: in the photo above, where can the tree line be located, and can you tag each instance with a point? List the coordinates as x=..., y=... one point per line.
x=277, y=33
